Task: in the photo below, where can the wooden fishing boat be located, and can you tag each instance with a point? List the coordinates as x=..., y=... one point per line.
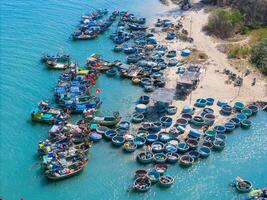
x=157, y=147
x=142, y=184
x=140, y=141
x=118, y=141
x=182, y=147
x=186, y=161
x=242, y=186
x=109, y=134
x=194, y=154
x=144, y=157
x=218, y=144
x=152, y=138
x=55, y=65
x=153, y=175
x=105, y=121
x=71, y=171
x=59, y=57
x=166, y=181
x=137, y=117
x=140, y=173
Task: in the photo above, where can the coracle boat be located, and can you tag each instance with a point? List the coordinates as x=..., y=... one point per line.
x=152, y=138
x=129, y=146
x=144, y=157
x=235, y=121
x=192, y=143
x=125, y=125
x=161, y=168
x=229, y=127
x=156, y=126
x=241, y=116
x=157, y=147
x=140, y=141
x=105, y=121
x=218, y=144
x=197, y=121
x=118, y=140
x=181, y=122
x=140, y=173
x=253, y=108
x=142, y=184
x=137, y=117
x=172, y=110
x=109, y=134
x=166, y=121
x=144, y=99
x=66, y=172
x=186, y=161
x=210, y=101
x=94, y=136
x=165, y=136
x=166, y=181
x=159, y=158
x=182, y=147
x=153, y=175
x=201, y=103
x=246, y=111
x=204, y=152
x=111, y=72
x=194, y=154
x=239, y=106
x=170, y=148
x=172, y=157
x=219, y=129
x=136, y=27
x=246, y=123
x=136, y=80
x=242, y=186
x=226, y=110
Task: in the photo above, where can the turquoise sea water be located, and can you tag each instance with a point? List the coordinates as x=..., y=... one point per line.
x=29, y=28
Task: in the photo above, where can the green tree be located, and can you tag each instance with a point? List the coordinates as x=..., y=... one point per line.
x=259, y=55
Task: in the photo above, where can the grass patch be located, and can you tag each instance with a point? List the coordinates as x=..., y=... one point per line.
x=257, y=34
x=238, y=52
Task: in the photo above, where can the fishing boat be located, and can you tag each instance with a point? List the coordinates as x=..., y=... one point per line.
x=220, y=129
x=165, y=136
x=60, y=57
x=173, y=62
x=137, y=117
x=166, y=181
x=209, y=119
x=226, y=110
x=118, y=48
x=142, y=184
x=144, y=99
x=253, y=108
x=238, y=106
x=170, y=36
x=194, y=154
x=171, y=110
x=155, y=126
x=159, y=158
x=166, y=121
x=136, y=27
x=157, y=147
x=118, y=141
x=60, y=173
x=149, y=88
x=242, y=186
x=218, y=144
x=210, y=101
x=140, y=173
x=142, y=133
x=94, y=136
x=101, y=129
x=192, y=143
x=201, y=103
x=161, y=168
x=204, y=152
x=172, y=157
x=152, y=138
x=105, y=121
x=210, y=133
x=144, y=157
x=111, y=72
x=235, y=121
x=153, y=175
x=170, y=148
x=182, y=122
x=129, y=146
x=186, y=161
x=198, y=121
x=125, y=125
x=182, y=147
x=241, y=116
x=109, y=134
x=246, y=123
x=140, y=141
x=53, y=64
x=171, y=54
x=136, y=80
x=246, y=111
x=229, y=127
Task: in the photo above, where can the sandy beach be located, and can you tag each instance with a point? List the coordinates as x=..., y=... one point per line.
x=212, y=80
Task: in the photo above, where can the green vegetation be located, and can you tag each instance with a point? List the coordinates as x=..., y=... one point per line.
x=259, y=55
x=239, y=52
x=258, y=34
x=224, y=23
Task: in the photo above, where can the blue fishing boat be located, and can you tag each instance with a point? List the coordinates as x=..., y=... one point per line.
x=229, y=127
x=157, y=147
x=125, y=125
x=118, y=48
x=146, y=81
x=159, y=158
x=253, y=108
x=218, y=144
x=194, y=154
x=220, y=137
x=152, y=138
x=182, y=147
x=165, y=137
x=188, y=110
x=221, y=103
x=166, y=121
x=242, y=186
x=144, y=99
x=239, y=106
x=171, y=110
x=142, y=133
x=59, y=57
x=95, y=137
x=182, y=121
x=101, y=129
x=161, y=168
x=170, y=148
x=186, y=116
x=109, y=134
x=192, y=143
x=149, y=88
x=226, y=110
x=209, y=119
x=247, y=112
x=172, y=157
x=210, y=101
x=156, y=126
x=210, y=133
x=197, y=121
x=204, y=152
x=153, y=175
x=241, y=116
x=129, y=146
x=185, y=52
x=186, y=161
x=137, y=117
x=220, y=129
x=201, y=103
x=140, y=141
x=207, y=111
x=144, y=157
x=246, y=123
x=118, y=140
x=166, y=181
x=173, y=62
x=142, y=184
x=111, y=72
x=235, y=121
x=171, y=54
x=136, y=27
x=129, y=50
x=170, y=36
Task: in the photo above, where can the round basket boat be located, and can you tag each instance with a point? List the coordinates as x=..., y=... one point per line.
x=246, y=111
x=142, y=184
x=152, y=138
x=157, y=147
x=170, y=148
x=166, y=181
x=243, y=186
x=229, y=127
x=204, y=152
x=109, y=134
x=186, y=161
x=182, y=147
x=219, y=129
x=241, y=116
x=172, y=157
x=197, y=121
x=144, y=157
x=140, y=141
x=182, y=121
x=159, y=158
x=239, y=106
x=129, y=146
x=246, y=124
x=235, y=121
x=210, y=101
x=118, y=141
x=201, y=103
x=153, y=175
x=254, y=109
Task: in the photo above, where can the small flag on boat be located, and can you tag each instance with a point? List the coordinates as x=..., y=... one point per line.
x=97, y=90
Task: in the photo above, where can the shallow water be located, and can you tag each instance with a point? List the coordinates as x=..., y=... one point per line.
x=29, y=28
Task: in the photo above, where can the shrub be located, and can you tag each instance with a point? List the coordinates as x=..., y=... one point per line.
x=259, y=55
x=223, y=23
